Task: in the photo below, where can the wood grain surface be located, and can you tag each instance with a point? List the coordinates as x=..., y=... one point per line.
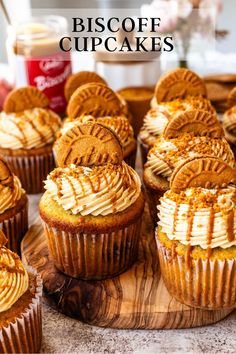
x=135, y=299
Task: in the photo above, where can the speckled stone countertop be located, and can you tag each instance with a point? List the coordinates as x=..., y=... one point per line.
x=62, y=334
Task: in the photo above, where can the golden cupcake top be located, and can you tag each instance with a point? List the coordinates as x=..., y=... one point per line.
x=95, y=190
x=10, y=188
x=118, y=124
x=159, y=116
x=13, y=276
x=229, y=124
x=166, y=154
x=96, y=99
x=26, y=122
x=200, y=207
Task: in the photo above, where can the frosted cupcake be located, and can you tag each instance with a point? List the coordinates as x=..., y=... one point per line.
x=176, y=92
x=13, y=207
x=20, y=304
x=27, y=132
x=194, y=133
x=196, y=234
x=120, y=127
x=93, y=205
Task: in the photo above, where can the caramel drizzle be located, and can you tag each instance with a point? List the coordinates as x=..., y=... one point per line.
x=33, y=126
x=190, y=216
x=230, y=226
x=175, y=218
x=53, y=133
x=210, y=232
x=22, y=140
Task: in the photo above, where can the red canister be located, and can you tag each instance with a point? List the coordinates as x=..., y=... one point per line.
x=36, y=58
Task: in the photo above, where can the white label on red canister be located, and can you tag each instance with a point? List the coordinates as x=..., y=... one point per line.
x=49, y=74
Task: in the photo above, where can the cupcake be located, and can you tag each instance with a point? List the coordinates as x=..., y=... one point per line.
x=229, y=126
x=27, y=132
x=93, y=205
x=177, y=92
x=190, y=134
x=13, y=207
x=120, y=127
x=138, y=100
x=196, y=234
x=20, y=304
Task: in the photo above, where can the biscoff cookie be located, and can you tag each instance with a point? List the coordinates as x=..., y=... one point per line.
x=231, y=100
x=206, y=172
x=6, y=176
x=179, y=83
x=87, y=145
x=24, y=98
x=199, y=122
x=78, y=79
x=95, y=99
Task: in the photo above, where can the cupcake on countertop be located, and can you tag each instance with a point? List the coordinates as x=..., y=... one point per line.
x=13, y=207
x=27, y=132
x=177, y=92
x=196, y=234
x=120, y=127
x=93, y=205
x=187, y=135
x=20, y=304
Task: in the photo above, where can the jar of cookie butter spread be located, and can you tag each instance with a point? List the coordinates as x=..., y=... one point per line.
x=36, y=58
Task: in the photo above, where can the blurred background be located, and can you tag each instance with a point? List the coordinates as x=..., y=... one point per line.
x=204, y=32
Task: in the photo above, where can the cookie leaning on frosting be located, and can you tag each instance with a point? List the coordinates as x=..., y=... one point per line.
x=27, y=132
x=178, y=91
x=13, y=207
x=196, y=233
x=93, y=205
x=20, y=304
x=118, y=124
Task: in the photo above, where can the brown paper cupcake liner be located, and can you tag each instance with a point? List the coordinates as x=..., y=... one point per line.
x=131, y=158
x=152, y=198
x=93, y=256
x=208, y=284
x=15, y=228
x=32, y=170
x=24, y=335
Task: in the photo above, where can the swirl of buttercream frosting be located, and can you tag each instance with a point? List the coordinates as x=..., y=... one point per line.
x=159, y=115
x=10, y=196
x=32, y=128
x=229, y=125
x=119, y=125
x=14, y=279
x=99, y=190
x=200, y=217
x=166, y=154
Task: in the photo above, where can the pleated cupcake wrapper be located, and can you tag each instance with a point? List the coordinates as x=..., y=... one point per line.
x=131, y=158
x=152, y=197
x=25, y=334
x=93, y=256
x=15, y=228
x=32, y=170
x=208, y=284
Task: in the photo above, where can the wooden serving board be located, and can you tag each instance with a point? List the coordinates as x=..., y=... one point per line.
x=136, y=299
